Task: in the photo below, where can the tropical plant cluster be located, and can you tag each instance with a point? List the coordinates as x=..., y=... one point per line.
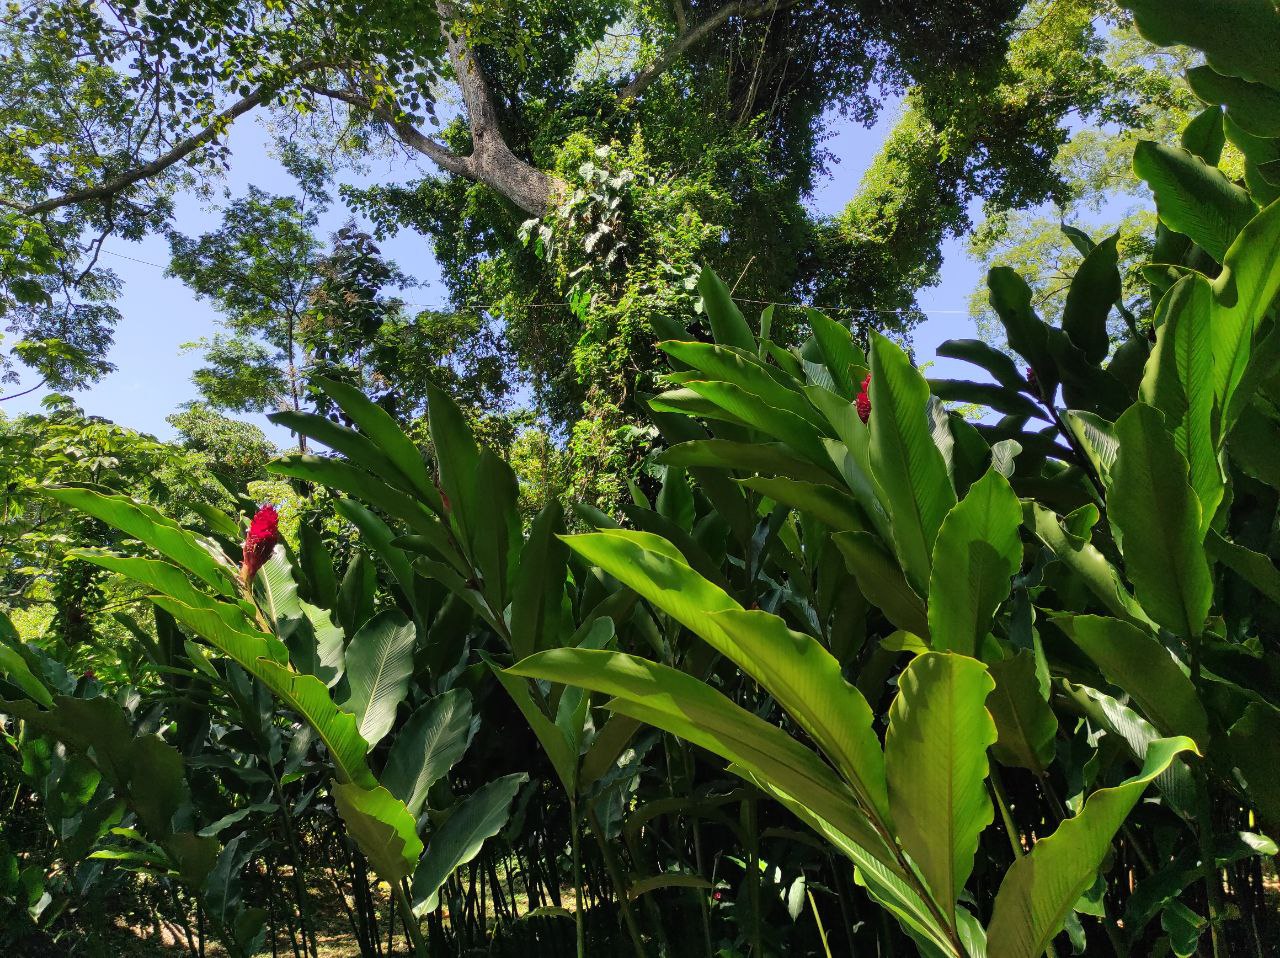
x=850, y=672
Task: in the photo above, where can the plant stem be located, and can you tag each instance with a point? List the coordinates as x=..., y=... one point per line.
x=410, y=923
x=580, y=927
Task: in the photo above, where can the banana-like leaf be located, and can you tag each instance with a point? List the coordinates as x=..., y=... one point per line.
x=840, y=354
x=1136, y=662
x=828, y=505
x=261, y=656
x=1084, y=560
x=149, y=525
x=768, y=459
x=907, y=464
x=351, y=444
x=383, y=828
x=428, y=745
x=728, y=327
x=379, y=537
x=974, y=557
x=1155, y=515
x=386, y=434
x=1255, y=568
x=563, y=756
x=14, y=667
x=1193, y=198
x=1041, y=888
x=1238, y=37
x=726, y=365
x=682, y=705
x=1094, y=290
x=315, y=643
x=794, y=668
x=995, y=362
x=1179, y=382
x=936, y=761
x=1027, y=333
x=1254, y=107
x=457, y=458
x=1025, y=724
x=785, y=426
x=881, y=580
x=537, y=615
x=379, y=667
x=474, y=820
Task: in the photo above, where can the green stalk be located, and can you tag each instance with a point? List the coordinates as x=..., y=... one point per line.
x=580, y=928
x=410, y=923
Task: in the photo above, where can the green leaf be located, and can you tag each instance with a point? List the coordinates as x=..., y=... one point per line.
x=427, y=746
x=840, y=354
x=1238, y=37
x=1253, y=747
x=726, y=365
x=881, y=580
x=561, y=753
x=1136, y=662
x=794, y=668
x=997, y=397
x=906, y=462
x=305, y=694
x=315, y=643
x=1041, y=888
x=1243, y=292
x=1205, y=135
x=1027, y=333
x=998, y=364
x=976, y=554
x=537, y=621
x=828, y=505
x=1179, y=382
x=15, y=668
x=1084, y=560
x=728, y=327
x=379, y=537
x=764, y=458
x=473, y=821
x=936, y=761
x=1094, y=290
x=1255, y=568
x=383, y=828
x=149, y=525
x=1193, y=198
x=800, y=434
x=1155, y=516
x=1025, y=723
x=380, y=426
x=680, y=704
x=379, y=666
x=1252, y=106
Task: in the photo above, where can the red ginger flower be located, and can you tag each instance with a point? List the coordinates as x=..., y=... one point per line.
x=864, y=400
x=264, y=533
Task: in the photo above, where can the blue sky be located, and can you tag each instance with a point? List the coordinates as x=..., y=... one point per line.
x=153, y=374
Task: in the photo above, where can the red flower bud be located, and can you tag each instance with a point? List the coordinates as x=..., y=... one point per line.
x=264, y=533
x=864, y=400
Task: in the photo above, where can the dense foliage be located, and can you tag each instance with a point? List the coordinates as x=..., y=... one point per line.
x=848, y=672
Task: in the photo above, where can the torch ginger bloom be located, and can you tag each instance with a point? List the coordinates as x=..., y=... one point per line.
x=264, y=533
x=864, y=400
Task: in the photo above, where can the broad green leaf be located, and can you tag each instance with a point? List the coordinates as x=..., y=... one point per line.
x=1000, y=398
x=1238, y=37
x=562, y=755
x=769, y=459
x=1084, y=560
x=1094, y=289
x=494, y=526
x=1243, y=292
x=1179, y=382
x=667, y=880
x=1255, y=568
x=1253, y=747
x=308, y=631
x=305, y=694
x=1136, y=662
x=840, y=354
x=728, y=327
x=537, y=620
x=473, y=821
x=1027, y=333
x=383, y=828
x=379, y=537
x=682, y=705
x=386, y=434
x=976, y=554
x=827, y=504
x=800, y=434
x=726, y=365
x=1205, y=135
x=427, y=746
x=1253, y=106
x=794, y=668
x=14, y=667
x=1193, y=198
x=936, y=762
x=1041, y=888
x=150, y=526
x=1025, y=723
x=379, y=666
x=1155, y=515
x=907, y=464
x=881, y=580
x=995, y=362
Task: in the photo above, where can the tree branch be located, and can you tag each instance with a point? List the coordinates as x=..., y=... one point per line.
x=180, y=151
x=694, y=35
